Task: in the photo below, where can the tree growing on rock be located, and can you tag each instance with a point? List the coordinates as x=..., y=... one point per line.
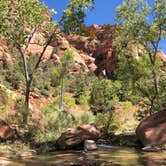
x=19, y=22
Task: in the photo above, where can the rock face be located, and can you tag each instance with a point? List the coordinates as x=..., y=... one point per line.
x=90, y=145
x=74, y=138
x=6, y=133
x=152, y=130
x=100, y=47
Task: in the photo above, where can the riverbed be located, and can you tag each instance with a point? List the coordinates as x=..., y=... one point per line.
x=113, y=156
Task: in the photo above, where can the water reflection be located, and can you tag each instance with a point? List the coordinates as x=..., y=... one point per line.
x=108, y=157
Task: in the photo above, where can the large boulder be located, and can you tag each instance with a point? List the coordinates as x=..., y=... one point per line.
x=152, y=130
x=74, y=138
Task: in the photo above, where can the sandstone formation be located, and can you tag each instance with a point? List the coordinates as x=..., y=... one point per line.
x=93, y=53
x=75, y=137
x=152, y=130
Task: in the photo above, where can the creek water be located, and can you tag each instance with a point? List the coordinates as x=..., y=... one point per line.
x=114, y=156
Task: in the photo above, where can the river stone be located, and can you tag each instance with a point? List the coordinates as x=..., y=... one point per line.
x=90, y=145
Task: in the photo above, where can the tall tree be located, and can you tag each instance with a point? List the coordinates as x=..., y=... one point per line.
x=140, y=24
x=20, y=21
x=60, y=72
x=73, y=17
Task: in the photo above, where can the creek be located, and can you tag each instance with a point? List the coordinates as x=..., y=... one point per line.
x=108, y=156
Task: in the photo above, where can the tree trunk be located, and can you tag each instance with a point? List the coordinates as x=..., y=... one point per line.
x=61, y=95
x=155, y=79
x=27, y=94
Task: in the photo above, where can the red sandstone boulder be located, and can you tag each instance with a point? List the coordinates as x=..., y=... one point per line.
x=75, y=137
x=152, y=130
x=6, y=133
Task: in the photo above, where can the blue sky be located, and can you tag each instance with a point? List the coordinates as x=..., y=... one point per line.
x=103, y=13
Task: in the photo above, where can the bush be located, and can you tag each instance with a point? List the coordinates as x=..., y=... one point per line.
x=56, y=123
x=86, y=118
x=83, y=101
x=81, y=83
x=105, y=93
x=13, y=75
x=3, y=98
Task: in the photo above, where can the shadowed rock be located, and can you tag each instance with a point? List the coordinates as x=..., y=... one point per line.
x=152, y=130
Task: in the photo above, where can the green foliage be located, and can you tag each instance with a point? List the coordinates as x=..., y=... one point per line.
x=21, y=21
x=140, y=31
x=20, y=107
x=13, y=75
x=86, y=118
x=105, y=93
x=73, y=17
x=60, y=71
x=104, y=121
x=20, y=18
x=81, y=83
x=56, y=122
x=120, y=119
x=83, y=101
x=69, y=101
x=3, y=98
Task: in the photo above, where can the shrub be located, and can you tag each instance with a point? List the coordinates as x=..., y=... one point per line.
x=105, y=93
x=56, y=123
x=86, y=118
x=3, y=98
x=14, y=76
x=83, y=101
x=81, y=83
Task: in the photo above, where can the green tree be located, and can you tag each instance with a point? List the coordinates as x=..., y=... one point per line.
x=144, y=28
x=73, y=17
x=20, y=20
x=59, y=73
x=105, y=93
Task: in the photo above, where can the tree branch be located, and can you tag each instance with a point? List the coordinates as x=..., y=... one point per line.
x=42, y=54
x=30, y=38
x=24, y=62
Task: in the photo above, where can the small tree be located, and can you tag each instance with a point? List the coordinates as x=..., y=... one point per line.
x=60, y=72
x=19, y=22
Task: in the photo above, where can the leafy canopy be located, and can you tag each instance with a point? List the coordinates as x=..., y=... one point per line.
x=73, y=17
